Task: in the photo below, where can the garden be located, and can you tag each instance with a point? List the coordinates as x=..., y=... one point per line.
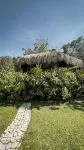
x=58, y=84
x=56, y=95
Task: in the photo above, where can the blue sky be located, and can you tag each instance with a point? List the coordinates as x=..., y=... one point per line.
x=24, y=21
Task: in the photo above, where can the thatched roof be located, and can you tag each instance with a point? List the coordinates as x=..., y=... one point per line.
x=50, y=57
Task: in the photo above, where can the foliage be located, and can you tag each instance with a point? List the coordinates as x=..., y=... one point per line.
x=16, y=64
x=74, y=68
x=59, y=85
x=65, y=94
x=11, y=84
x=41, y=45
x=36, y=71
x=75, y=48
x=81, y=71
x=27, y=51
x=6, y=63
x=9, y=64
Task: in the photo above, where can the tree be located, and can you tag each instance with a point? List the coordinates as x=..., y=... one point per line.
x=6, y=62
x=27, y=51
x=17, y=66
x=75, y=48
x=66, y=48
x=41, y=45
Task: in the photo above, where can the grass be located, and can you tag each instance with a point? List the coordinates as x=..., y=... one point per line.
x=7, y=114
x=55, y=127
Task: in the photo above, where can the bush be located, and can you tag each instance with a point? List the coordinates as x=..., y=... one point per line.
x=60, y=84
x=65, y=94
x=6, y=63
x=36, y=71
x=11, y=84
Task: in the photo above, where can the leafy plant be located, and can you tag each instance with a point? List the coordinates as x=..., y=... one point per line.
x=36, y=71
x=65, y=94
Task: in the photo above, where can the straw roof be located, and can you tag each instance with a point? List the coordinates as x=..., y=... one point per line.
x=50, y=57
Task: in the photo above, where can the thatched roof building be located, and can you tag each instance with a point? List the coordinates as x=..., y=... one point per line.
x=49, y=59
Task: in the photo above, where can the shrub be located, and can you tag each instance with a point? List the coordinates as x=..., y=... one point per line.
x=60, y=84
x=11, y=84
x=36, y=71
x=56, y=85
x=6, y=63
x=65, y=94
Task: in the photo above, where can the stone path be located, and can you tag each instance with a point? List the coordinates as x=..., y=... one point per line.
x=12, y=136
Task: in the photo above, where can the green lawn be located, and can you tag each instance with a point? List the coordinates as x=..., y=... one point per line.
x=55, y=127
x=7, y=114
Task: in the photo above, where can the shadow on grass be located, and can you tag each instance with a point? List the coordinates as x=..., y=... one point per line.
x=5, y=104
x=53, y=105
x=74, y=105
x=38, y=105
x=79, y=105
x=54, y=108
